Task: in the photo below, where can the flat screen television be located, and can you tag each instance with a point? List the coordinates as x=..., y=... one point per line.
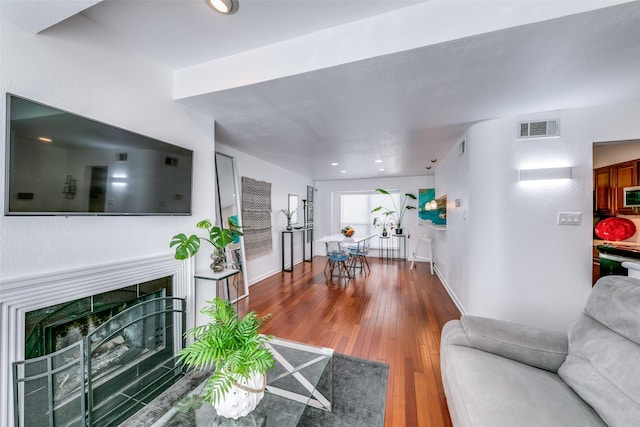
x=59, y=163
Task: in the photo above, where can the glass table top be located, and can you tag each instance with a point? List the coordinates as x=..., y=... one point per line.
x=302, y=377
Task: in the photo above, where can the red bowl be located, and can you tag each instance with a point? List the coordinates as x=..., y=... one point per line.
x=615, y=229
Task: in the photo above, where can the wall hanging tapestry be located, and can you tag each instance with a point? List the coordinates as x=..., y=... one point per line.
x=256, y=217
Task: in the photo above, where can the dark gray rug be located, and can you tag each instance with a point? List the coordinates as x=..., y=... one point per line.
x=359, y=397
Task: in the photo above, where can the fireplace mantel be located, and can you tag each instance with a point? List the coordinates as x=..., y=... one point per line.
x=20, y=295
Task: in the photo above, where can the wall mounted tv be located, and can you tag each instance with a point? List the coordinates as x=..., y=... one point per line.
x=60, y=163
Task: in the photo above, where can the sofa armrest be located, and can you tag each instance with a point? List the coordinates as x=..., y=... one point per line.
x=533, y=346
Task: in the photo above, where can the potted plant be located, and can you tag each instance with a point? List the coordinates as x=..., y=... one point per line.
x=289, y=214
x=383, y=223
x=187, y=247
x=395, y=214
x=235, y=352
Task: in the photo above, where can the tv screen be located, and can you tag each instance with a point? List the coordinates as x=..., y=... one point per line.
x=59, y=163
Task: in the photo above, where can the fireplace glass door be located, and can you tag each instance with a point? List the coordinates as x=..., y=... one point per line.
x=111, y=372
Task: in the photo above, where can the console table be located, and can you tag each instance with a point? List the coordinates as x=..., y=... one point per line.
x=402, y=246
x=216, y=277
x=303, y=233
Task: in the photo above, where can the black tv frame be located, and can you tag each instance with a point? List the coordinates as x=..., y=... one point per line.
x=84, y=127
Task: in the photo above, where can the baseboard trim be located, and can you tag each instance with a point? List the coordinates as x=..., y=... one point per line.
x=447, y=288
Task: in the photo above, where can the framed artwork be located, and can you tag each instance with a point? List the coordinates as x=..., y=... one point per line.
x=309, y=194
x=309, y=214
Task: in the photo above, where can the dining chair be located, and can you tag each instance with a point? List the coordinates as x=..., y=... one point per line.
x=337, y=262
x=358, y=257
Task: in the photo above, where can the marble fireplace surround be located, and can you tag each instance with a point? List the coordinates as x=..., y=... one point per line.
x=24, y=294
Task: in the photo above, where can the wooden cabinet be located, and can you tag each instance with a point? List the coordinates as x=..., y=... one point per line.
x=602, y=187
x=595, y=273
x=609, y=182
x=624, y=175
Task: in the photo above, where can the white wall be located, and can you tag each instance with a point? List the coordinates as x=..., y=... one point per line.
x=327, y=204
x=509, y=259
x=283, y=183
x=78, y=67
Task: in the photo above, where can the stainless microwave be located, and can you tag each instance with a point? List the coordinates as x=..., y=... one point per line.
x=631, y=197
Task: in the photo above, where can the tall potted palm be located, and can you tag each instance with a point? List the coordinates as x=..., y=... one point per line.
x=397, y=215
x=186, y=247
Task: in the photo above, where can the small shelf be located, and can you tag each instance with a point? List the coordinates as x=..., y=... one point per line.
x=437, y=227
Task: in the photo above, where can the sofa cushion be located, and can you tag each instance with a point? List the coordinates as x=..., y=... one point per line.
x=536, y=347
x=603, y=365
x=615, y=302
x=484, y=389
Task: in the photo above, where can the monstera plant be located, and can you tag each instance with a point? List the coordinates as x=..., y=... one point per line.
x=187, y=247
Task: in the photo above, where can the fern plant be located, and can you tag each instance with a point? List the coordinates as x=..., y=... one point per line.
x=232, y=347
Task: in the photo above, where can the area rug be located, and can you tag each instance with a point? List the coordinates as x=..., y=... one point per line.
x=359, y=397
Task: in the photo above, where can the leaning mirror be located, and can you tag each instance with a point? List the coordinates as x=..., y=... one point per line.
x=294, y=202
x=229, y=216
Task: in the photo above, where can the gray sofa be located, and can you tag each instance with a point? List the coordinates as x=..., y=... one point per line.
x=498, y=373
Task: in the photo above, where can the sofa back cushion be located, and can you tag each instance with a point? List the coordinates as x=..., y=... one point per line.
x=603, y=364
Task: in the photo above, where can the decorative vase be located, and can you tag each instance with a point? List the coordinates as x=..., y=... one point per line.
x=384, y=233
x=289, y=224
x=219, y=261
x=398, y=230
x=243, y=397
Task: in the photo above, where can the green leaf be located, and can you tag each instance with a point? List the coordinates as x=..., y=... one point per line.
x=381, y=191
x=205, y=224
x=185, y=247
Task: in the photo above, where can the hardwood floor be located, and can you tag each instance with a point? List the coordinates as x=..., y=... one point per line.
x=394, y=315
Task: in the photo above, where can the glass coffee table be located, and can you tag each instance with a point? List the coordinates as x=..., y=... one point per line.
x=302, y=377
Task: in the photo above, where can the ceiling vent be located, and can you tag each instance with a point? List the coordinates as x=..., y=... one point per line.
x=539, y=129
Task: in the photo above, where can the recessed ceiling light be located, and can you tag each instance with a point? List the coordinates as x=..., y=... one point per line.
x=226, y=7
x=377, y=161
x=343, y=171
x=381, y=169
x=45, y=140
x=334, y=164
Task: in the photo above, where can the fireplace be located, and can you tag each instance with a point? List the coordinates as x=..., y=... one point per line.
x=93, y=353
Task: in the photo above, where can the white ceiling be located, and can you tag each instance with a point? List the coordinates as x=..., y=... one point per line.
x=405, y=108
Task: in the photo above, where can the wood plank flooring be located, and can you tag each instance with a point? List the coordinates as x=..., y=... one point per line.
x=393, y=315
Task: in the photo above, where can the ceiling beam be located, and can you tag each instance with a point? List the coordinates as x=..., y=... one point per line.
x=36, y=16
x=425, y=24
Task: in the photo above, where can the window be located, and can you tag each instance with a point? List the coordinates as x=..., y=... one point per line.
x=356, y=211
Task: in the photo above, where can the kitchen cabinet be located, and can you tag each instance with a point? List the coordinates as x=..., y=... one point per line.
x=602, y=186
x=624, y=175
x=609, y=182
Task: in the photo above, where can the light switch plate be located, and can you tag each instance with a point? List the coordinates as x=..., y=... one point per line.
x=569, y=218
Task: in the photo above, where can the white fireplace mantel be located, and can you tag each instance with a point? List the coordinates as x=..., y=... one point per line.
x=21, y=295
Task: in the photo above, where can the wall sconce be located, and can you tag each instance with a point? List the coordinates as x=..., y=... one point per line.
x=119, y=180
x=546, y=173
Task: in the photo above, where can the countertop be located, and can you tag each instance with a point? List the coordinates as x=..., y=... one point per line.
x=621, y=250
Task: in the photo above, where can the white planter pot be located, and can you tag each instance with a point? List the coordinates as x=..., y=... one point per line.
x=242, y=399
